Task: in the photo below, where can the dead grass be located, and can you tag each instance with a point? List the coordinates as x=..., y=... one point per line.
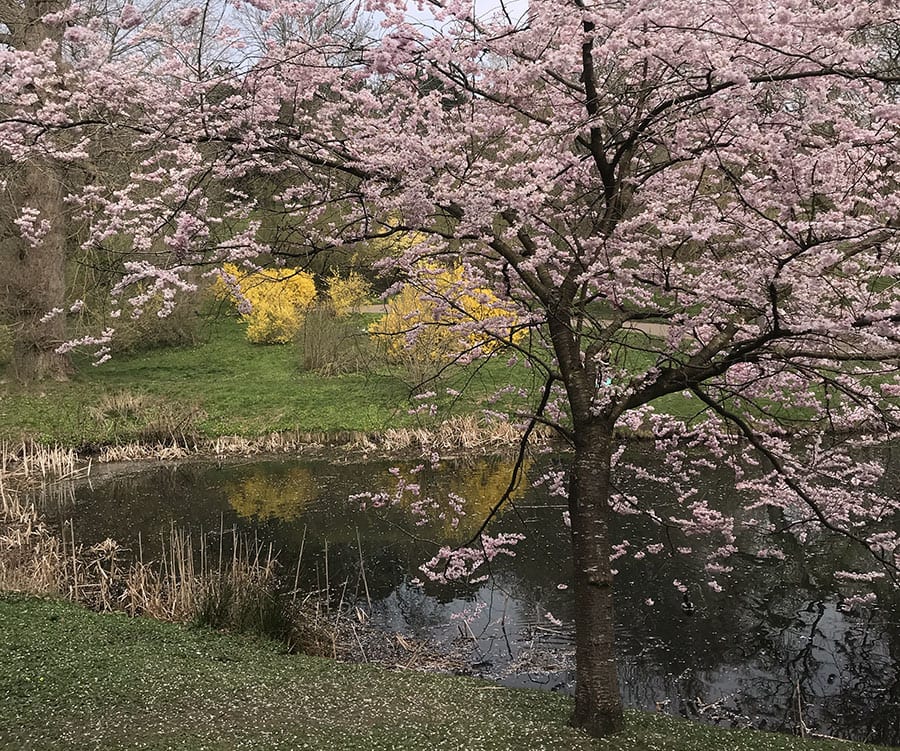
x=149, y=419
x=457, y=434
x=236, y=587
x=32, y=559
x=34, y=462
x=465, y=434
x=237, y=590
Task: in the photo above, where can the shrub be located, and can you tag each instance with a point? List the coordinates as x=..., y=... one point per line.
x=330, y=345
x=445, y=319
x=272, y=302
x=183, y=327
x=347, y=293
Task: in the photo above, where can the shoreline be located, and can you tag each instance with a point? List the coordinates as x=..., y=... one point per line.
x=456, y=436
x=29, y=461
x=114, y=682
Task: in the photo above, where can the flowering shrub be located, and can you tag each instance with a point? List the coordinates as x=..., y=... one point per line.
x=347, y=293
x=272, y=302
x=445, y=318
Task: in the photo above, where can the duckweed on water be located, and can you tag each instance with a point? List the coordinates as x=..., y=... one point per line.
x=71, y=679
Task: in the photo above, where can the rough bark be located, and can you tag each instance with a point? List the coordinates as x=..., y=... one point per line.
x=34, y=281
x=598, y=702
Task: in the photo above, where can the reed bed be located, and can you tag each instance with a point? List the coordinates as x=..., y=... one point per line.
x=464, y=433
x=131, y=452
x=32, y=558
x=220, y=579
x=236, y=589
x=34, y=462
x=455, y=435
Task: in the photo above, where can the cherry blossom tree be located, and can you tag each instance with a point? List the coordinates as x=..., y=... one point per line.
x=93, y=95
x=695, y=198
x=725, y=170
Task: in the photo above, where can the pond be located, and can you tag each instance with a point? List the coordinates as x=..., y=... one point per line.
x=776, y=645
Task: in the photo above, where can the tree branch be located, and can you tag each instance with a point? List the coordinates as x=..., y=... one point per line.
x=779, y=467
x=520, y=461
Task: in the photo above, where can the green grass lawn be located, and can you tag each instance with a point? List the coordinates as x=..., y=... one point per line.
x=228, y=386
x=224, y=386
x=72, y=679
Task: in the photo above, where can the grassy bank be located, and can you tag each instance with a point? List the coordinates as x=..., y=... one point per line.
x=226, y=386
x=72, y=679
x=223, y=386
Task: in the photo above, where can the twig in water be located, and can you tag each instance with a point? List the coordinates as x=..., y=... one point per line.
x=361, y=650
x=327, y=580
x=362, y=569
x=297, y=572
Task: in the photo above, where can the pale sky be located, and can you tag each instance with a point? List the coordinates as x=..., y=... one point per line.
x=483, y=8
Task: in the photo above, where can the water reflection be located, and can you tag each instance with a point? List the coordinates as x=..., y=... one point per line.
x=772, y=650
x=264, y=494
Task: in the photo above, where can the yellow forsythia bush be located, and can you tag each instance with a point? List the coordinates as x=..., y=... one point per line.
x=417, y=331
x=347, y=293
x=278, y=299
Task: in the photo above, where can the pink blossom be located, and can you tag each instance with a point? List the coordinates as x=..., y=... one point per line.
x=190, y=14
x=553, y=619
x=130, y=17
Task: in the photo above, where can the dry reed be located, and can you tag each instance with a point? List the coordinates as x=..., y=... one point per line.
x=238, y=591
x=34, y=462
x=32, y=559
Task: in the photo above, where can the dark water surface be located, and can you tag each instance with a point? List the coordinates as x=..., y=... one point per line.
x=773, y=647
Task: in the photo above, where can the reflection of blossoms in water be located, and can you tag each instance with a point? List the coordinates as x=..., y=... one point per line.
x=553, y=619
x=470, y=614
x=267, y=496
x=556, y=482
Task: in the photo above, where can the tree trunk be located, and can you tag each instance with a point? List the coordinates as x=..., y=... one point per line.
x=34, y=278
x=598, y=702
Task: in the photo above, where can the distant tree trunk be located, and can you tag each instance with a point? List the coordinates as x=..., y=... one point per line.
x=34, y=278
x=598, y=702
